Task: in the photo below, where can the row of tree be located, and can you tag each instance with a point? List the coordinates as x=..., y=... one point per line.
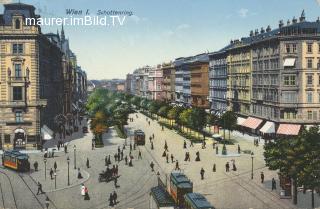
x=298, y=159
x=105, y=109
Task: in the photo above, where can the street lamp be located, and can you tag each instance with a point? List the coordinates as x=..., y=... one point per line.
x=251, y=165
x=45, y=168
x=55, y=180
x=68, y=161
x=75, y=161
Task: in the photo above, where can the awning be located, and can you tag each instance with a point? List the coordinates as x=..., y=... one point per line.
x=268, y=128
x=240, y=120
x=289, y=129
x=289, y=62
x=46, y=133
x=251, y=122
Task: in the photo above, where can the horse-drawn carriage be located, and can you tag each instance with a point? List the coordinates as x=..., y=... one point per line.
x=106, y=176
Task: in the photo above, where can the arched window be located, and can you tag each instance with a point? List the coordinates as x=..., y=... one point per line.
x=17, y=23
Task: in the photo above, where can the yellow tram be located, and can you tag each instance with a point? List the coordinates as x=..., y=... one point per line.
x=16, y=160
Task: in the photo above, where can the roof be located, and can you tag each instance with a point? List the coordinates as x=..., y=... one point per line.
x=162, y=197
x=181, y=180
x=16, y=153
x=198, y=201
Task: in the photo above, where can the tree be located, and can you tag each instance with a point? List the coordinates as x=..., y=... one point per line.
x=198, y=120
x=185, y=117
x=211, y=120
x=229, y=122
x=173, y=114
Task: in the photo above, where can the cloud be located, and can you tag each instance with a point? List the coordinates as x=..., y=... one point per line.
x=243, y=12
x=6, y=1
x=137, y=19
x=318, y=1
x=183, y=26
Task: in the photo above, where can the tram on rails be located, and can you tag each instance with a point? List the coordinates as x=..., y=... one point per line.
x=196, y=201
x=16, y=160
x=139, y=137
x=179, y=186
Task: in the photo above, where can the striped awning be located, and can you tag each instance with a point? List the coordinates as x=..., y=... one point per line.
x=268, y=128
x=252, y=123
x=289, y=129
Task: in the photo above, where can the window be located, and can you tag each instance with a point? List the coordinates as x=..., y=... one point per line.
x=319, y=47
x=309, y=97
x=309, y=48
x=17, y=71
x=7, y=138
x=17, y=93
x=288, y=48
x=309, y=79
x=17, y=48
x=19, y=117
x=309, y=63
x=17, y=24
x=294, y=48
x=290, y=80
x=309, y=115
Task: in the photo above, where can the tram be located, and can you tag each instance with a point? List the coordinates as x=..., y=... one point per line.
x=16, y=160
x=179, y=186
x=139, y=137
x=196, y=201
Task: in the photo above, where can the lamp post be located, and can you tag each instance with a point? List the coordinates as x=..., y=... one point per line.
x=251, y=165
x=75, y=160
x=45, y=168
x=68, y=161
x=55, y=180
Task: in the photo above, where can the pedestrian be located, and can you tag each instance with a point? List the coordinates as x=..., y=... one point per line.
x=213, y=145
x=234, y=168
x=217, y=150
x=130, y=147
x=116, y=170
x=126, y=159
x=149, y=122
x=118, y=149
x=39, y=188
x=184, y=144
x=51, y=173
x=197, y=156
x=164, y=154
x=150, y=139
x=121, y=154
x=79, y=174
x=167, y=158
x=47, y=202
x=152, y=136
x=86, y=194
x=130, y=162
x=172, y=158
x=139, y=156
x=227, y=167
x=239, y=150
x=55, y=166
x=166, y=146
x=152, y=146
x=273, y=184
x=58, y=145
x=87, y=163
x=152, y=166
x=191, y=143
x=134, y=146
x=203, y=144
x=111, y=200
x=202, y=173
x=115, y=196
x=82, y=189
x=113, y=170
x=109, y=160
x=177, y=165
x=162, y=128
x=92, y=145
x=115, y=182
x=262, y=177
x=115, y=157
x=118, y=157
x=106, y=161
x=123, y=146
x=189, y=156
x=214, y=167
x=65, y=149
x=35, y=166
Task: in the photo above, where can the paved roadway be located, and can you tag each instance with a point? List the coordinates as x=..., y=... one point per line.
x=224, y=190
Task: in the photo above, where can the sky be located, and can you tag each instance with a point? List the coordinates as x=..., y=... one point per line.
x=160, y=31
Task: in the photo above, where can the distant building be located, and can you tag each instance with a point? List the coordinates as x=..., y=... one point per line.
x=155, y=79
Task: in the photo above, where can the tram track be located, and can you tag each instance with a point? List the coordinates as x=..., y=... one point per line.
x=12, y=192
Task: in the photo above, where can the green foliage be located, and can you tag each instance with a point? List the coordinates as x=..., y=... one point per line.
x=163, y=111
x=120, y=131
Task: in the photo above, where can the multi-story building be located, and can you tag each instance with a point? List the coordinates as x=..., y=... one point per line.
x=168, y=81
x=155, y=83
x=199, y=69
x=142, y=81
x=128, y=83
x=186, y=83
x=218, y=81
x=178, y=66
x=31, y=79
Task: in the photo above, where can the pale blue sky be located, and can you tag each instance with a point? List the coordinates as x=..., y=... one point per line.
x=163, y=30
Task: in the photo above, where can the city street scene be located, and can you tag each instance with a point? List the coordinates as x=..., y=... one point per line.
x=159, y=105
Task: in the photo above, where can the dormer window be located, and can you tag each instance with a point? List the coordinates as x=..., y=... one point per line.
x=17, y=24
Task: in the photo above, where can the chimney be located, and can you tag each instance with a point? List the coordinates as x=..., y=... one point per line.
x=294, y=20
x=280, y=23
x=262, y=30
x=251, y=33
x=268, y=28
x=303, y=16
x=256, y=32
x=288, y=22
